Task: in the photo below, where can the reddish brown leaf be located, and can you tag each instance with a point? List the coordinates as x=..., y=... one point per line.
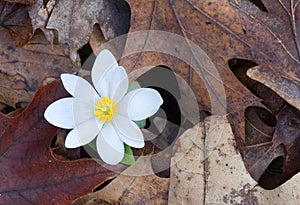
x=29, y=174
x=224, y=30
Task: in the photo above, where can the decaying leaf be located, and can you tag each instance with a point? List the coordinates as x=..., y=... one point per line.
x=12, y=90
x=214, y=33
x=136, y=185
x=29, y=174
x=282, y=19
x=39, y=14
x=208, y=169
x=271, y=134
x=74, y=21
x=187, y=181
x=34, y=63
x=15, y=18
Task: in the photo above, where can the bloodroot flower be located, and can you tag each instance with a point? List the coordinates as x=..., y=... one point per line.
x=106, y=112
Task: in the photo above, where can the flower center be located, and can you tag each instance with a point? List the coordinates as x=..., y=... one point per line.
x=105, y=109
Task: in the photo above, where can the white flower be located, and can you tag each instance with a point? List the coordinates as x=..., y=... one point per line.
x=106, y=112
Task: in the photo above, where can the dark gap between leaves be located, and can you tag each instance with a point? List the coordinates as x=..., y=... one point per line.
x=7, y=109
x=239, y=68
x=265, y=116
x=163, y=80
x=260, y=5
x=271, y=177
x=85, y=52
x=101, y=186
x=11, y=111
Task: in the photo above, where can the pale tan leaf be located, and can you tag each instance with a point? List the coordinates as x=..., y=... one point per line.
x=206, y=168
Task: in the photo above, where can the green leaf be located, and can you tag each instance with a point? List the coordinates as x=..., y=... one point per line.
x=92, y=144
x=134, y=85
x=128, y=158
x=140, y=123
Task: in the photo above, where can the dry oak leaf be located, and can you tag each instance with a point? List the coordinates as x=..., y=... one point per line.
x=214, y=32
x=39, y=15
x=206, y=168
x=282, y=18
x=29, y=174
x=10, y=91
x=34, y=63
x=74, y=21
x=15, y=18
x=136, y=185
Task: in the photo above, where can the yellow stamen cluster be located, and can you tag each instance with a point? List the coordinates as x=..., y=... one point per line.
x=105, y=109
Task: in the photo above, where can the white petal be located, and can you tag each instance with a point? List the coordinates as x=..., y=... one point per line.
x=109, y=145
x=118, y=83
x=79, y=88
x=82, y=111
x=104, y=61
x=60, y=113
x=140, y=104
x=128, y=131
x=114, y=84
x=83, y=133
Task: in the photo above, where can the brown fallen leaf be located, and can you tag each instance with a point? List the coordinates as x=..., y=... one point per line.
x=31, y=66
x=74, y=21
x=271, y=134
x=15, y=18
x=12, y=90
x=208, y=169
x=282, y=20
x=214, y=33
x=287, y=134
x=29, y=174
x=136, y=185
x=39, y=15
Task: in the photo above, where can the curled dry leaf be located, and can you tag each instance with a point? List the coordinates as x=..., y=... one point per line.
x=29, y=172
x=215, y=32
x=206, y=168
x=271, y=134
x=283, y=20
x=136, y=185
